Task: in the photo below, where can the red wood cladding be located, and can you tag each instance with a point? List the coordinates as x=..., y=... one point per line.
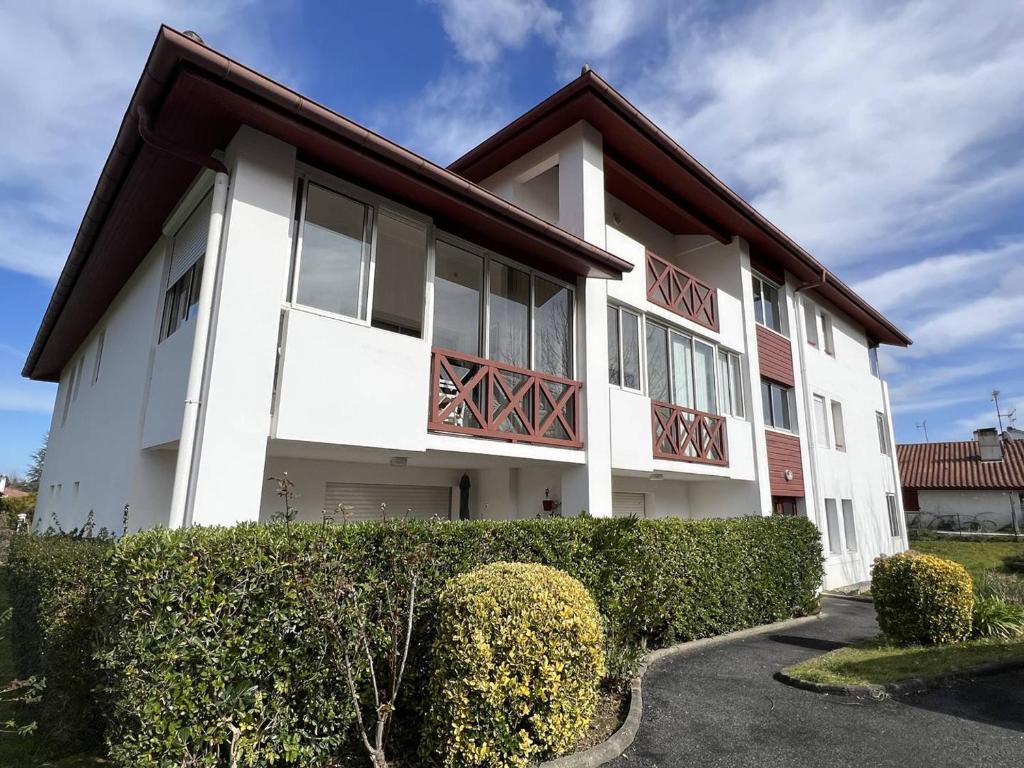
x=775, y=356
x=678, y=291
x=784, y=454
x=685, y=434
x=470, y=395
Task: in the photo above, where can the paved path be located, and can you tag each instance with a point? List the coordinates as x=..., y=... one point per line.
x=721, y=707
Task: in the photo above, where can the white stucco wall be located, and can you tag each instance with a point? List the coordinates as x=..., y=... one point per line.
x=986, y=506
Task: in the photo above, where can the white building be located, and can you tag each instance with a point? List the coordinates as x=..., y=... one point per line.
x=973, y=485
x=576, y=311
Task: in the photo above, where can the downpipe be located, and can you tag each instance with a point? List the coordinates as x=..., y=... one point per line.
x=181, y=513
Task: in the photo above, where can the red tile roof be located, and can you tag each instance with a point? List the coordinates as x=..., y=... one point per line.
x=13, y=493
x=958, y=466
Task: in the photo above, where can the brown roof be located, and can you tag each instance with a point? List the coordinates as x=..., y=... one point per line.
x=197, y=99
x=958, y=466
x=676, y=191
x=13, y=493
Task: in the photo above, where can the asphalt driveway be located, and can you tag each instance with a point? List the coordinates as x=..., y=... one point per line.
x=721, y=707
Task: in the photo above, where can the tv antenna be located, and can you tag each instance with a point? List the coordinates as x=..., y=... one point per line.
x=924, y=426
x=1011, y=416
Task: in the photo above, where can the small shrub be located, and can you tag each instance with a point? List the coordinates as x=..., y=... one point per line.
x=997, y=618
x=922, y=598
x=517, y=663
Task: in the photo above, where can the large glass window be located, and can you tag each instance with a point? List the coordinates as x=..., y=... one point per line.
x=775, y=400
x=730, y=381
x=657, y=363
x=458, y=281
x=399, y=275
x=334, y=256
x=552, y=327
x=625, y=327
x=704, y=377
x=181, y=300
x=767, y=310
x=682, y=370
x=509, y=315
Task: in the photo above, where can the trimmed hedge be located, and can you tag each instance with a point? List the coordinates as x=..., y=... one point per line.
x=922, y=598
x=517, y=662
x=212, y=642
x=55, y=629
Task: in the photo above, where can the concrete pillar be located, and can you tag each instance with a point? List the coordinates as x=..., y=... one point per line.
x=581, y=198
x=255, y=251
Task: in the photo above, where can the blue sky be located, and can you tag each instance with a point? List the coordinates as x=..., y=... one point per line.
x=887, y=138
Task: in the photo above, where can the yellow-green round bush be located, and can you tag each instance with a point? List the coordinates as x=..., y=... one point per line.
x=922, y=598
x=517, y=660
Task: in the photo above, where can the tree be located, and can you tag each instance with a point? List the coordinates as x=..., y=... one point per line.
x=35, y=469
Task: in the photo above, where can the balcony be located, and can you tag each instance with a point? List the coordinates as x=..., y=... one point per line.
x=473, y=396
x=685, y=434
x=677, y=291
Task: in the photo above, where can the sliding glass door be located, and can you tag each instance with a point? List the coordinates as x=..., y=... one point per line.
x=680, y=369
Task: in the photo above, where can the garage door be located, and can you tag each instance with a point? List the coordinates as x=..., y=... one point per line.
x=421, y=502
x=626, y=504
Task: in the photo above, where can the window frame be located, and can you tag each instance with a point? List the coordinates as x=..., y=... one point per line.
x=718, y=353
x=757, y=277
x=100, y=340
x=769, y=420
x=895, y=525
x=883, y=433
x=811, y=323
x=641, y=339
x=833, y=527
x=873, y=366
x=849, y=526
x=840, y=444
x=487, y=256
x=726, y=357
x=821, y=440
x=828, y=342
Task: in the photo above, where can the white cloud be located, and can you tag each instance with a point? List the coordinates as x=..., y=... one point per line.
x=859, y=128
x=70, y=69
x=481, y=30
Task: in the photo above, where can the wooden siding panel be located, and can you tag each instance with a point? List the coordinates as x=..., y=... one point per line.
x=784, y=453
x=775, y=356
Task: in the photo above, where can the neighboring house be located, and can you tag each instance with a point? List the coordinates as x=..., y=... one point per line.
x=9, y=492
x=973, y=484
x=576, y=311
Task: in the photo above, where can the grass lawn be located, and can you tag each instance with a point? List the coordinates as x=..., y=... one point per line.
x=976, y=556
x=875, y=662
x=26, y=751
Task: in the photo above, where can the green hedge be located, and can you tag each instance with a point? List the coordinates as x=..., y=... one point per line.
x=216, y=637
x=55, y=628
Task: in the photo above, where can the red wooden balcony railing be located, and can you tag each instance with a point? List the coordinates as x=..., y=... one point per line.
x=684, y=434
x=670, y=287
x=473, y=396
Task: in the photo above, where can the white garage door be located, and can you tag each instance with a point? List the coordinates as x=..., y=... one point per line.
x=420, y=502
x=626, y=504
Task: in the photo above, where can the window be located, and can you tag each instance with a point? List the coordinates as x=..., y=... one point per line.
x=838, y=428
x=811, y=324
x=873, y=362
x=99, y=356
x=399, y=275
x=767, y=310
x=730, y=379
x=334, y=253
x=883, y=433
x=458, y=281
x=529, y=318
x=835, y=546
x=68, y=388
x=894, y=514
x=820, y=422
x=849, y=526
x=625, y=370
x=78, y=378
x=181, y=300
x=681, y=370
x=828, y=343
x=775, y=399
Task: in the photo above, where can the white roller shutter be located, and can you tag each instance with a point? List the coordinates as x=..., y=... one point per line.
x=424, y=501
x=626, y=504
x=190, y=241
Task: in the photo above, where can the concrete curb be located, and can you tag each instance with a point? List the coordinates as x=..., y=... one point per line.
x=900, y=687
x=619, y=742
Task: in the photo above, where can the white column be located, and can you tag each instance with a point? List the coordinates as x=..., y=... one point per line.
x=581, y=211
x=256, y=249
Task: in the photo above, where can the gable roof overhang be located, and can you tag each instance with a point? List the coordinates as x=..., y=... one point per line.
x=197, y=99
x=671, y=186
